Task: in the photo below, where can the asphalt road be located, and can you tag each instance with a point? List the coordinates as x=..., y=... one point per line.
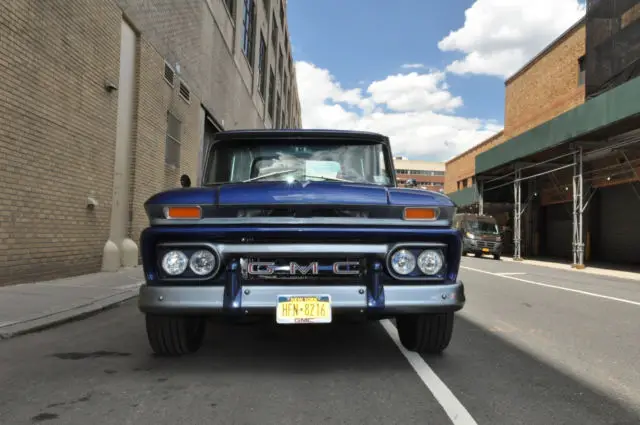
x=524, y=351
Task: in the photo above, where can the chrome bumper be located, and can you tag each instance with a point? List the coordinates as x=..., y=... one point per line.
x=210, y=300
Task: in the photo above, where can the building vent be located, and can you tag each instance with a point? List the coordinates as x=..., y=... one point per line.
x=168, y=74
x=185, y=93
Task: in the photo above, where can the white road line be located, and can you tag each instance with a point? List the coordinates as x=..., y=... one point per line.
x=451, y=405
x=562, y=288
x=509, y=274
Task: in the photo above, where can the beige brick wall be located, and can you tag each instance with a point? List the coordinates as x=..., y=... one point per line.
x=150, y=174
x=463, y=166
x=57, y=133
x=58, y=123
x=546, y=88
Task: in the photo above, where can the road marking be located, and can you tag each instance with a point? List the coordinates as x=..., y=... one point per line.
x=562, y=288
x=451, y=405
x=509, y=274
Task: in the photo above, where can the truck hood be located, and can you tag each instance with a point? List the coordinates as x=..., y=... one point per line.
x=307, y=193
x=324, y=193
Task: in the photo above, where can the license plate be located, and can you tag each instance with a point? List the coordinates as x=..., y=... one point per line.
x=485, y=249
x=301, y=309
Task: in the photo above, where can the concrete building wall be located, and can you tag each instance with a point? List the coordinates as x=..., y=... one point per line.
x=58, y=119
x=460, y=170
x=546, y=87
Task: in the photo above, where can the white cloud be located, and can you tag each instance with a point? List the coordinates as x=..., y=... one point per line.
x=500, y=36
x=413, y=66
x=415, y=110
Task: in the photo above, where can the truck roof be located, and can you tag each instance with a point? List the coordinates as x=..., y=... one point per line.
x=280, y=134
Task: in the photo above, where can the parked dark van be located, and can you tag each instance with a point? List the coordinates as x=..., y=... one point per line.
x=480, y=234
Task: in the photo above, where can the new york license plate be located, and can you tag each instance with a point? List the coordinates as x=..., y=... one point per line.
x=300, y=309
x=485, y=249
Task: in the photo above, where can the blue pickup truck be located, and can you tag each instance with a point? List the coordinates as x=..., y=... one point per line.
x=299, y=227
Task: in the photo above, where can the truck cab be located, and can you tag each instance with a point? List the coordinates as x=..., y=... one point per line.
x=480, y=234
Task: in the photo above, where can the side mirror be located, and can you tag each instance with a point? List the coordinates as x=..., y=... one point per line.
x=185, y=181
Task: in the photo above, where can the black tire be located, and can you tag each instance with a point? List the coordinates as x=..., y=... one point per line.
x=496, y=256
x=425, y=333
x=478, y=255
x=175, y=335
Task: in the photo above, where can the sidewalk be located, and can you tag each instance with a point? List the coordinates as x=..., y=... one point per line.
x=589, y=269
x=31, y=307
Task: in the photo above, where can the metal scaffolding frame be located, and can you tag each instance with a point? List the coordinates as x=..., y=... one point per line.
x=578, y=210
x=579, y=204
x=517, y=215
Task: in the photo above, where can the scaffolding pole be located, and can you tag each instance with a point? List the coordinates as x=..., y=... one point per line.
x=578, y=210
x=480, y=197
x=517, y=215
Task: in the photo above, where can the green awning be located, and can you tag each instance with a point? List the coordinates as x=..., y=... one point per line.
x=595, y=114
x=464, y=197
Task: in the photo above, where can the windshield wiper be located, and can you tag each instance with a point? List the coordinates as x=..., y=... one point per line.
x=275, y=173
x=335, y=179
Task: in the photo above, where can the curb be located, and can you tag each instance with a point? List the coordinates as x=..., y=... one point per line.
x=594, y=271
x=61, y=317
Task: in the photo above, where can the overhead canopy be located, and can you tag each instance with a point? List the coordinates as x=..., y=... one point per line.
x=612, y=110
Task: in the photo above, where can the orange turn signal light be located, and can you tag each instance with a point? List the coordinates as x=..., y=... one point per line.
x=192, y=213
x=420, y=213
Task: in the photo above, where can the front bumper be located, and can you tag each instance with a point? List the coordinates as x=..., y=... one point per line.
x=210, y=300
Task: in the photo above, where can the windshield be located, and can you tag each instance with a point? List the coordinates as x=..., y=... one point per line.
x=290, y=161
x=484, y=227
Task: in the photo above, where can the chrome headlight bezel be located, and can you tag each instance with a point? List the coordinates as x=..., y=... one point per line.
x=416, y=249
x=189, y=249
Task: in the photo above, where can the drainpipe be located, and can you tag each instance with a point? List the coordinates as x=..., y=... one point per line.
x=120, y=250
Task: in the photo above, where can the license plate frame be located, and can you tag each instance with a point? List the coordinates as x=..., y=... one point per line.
x=297, y=303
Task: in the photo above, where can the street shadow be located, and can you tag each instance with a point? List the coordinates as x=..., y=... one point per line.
x=499, y=383
x=266, y=347
x=496, y=381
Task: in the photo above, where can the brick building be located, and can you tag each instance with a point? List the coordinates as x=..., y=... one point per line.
x=107, y=101
x=567, y=163
x=428, y=175
x=547, y=86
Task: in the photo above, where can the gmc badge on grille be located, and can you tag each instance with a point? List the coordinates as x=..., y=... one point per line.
x=263, y=268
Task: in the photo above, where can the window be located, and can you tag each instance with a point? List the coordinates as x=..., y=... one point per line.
x=315, y=160
x=230, y=6
x=281, y=62
x=581, y=70
x=248, y=30
x=278, y=109
x=262, y=67
x=172, y=141
x=272, y=92
x=282, y=12
x=274, y=31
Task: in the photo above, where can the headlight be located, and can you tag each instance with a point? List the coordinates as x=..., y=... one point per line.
x=430, y=261
x=174, y=262
x=403, y=262
x=202, y=262
x=470, y=235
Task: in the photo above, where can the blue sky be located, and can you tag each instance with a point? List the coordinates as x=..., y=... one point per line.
x=382, y=38
x=455, y=100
